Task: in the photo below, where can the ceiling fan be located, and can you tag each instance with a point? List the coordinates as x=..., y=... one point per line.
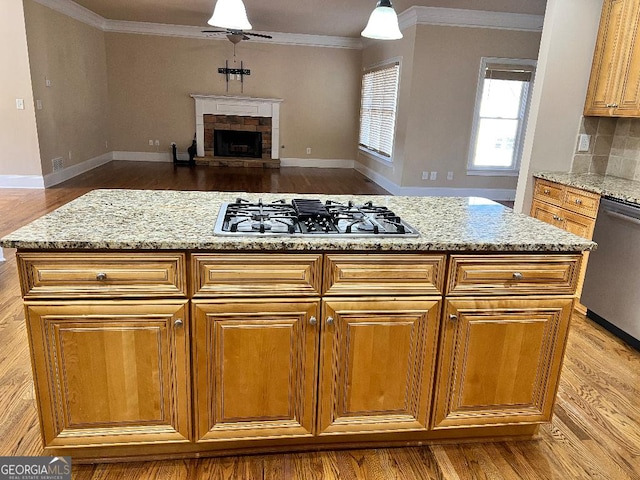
x=236, y=36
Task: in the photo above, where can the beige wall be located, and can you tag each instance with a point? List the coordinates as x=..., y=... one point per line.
x=73, y=123
x=150, y=79
x=19, y=154
x=564, y=65
x=437, y=98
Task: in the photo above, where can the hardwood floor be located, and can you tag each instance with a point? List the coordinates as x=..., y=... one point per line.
x=595, y=432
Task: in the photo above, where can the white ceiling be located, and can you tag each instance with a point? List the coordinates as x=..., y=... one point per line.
x=343, y=18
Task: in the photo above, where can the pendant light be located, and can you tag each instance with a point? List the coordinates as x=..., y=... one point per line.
x=230, y=14
x=383, y=23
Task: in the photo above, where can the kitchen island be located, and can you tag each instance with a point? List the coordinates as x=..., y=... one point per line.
x=153, y=337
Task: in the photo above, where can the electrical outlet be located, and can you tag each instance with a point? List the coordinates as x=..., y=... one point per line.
x=433, y=176
x=151, y=143
x=584, y=142
x=449, y=175
x=157, y=143
x=20, y=103
x=39, y=104
x=308, y=150
x=47, y=82
x=425, y=175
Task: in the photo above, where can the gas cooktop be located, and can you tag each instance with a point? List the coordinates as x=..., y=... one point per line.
x=310, y=217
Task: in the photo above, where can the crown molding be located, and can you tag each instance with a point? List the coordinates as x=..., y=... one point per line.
x=453, y=17
x=187, y=31
x=456, y=17
x=75, y=11
x=84, y=15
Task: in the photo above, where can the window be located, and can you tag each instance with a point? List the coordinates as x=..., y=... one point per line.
x=378, y=109
x=502, y=103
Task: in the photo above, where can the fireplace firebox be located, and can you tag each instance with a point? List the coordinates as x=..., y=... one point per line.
x=235, y=143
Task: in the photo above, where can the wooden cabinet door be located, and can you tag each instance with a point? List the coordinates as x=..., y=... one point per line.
x=500, y=360
x=111, y=373
x=629, y=96
x=608, y=59
x=255, y=368
x=376, y=364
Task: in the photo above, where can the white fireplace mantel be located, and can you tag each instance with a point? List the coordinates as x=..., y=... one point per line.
x=242, y=107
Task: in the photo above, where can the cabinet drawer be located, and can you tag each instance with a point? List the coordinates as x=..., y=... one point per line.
x=579, y=201
x=102, y=274
x=384, y=274
x=252, y=275
x=571, y=222
x=513, y=274
x=549, y=192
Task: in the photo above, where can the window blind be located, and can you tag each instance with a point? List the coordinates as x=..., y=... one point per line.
x=378, y=108
x=496, y=71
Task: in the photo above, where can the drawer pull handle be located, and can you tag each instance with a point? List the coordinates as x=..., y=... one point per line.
x=313, y=320
x=612, y=105
x=517, y=276
x=578, y=201
x=453, y=317
x=101, y=277
x=329, y=320
x=547, y=191
x=178, y=323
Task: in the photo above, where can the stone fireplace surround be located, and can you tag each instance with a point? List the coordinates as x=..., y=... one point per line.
x=237, y=113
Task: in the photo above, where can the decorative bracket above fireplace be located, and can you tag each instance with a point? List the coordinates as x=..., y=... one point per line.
x=240, y=106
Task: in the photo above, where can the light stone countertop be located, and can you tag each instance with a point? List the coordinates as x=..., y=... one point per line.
x=605, y=185
x=184, y=220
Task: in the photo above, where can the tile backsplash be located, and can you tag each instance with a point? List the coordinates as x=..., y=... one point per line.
x=614, y=148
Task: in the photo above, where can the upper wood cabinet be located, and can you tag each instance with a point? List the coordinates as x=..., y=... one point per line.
x=614, y=85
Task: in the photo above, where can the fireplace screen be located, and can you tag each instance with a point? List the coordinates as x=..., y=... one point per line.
x=234, y=143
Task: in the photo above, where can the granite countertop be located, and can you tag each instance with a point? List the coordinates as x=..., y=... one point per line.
x=184, y=220
x=605, y=185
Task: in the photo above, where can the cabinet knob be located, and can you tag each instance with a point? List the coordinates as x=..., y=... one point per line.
x=578, y=201
x=101, y=276
x=313, y=320
x=453, y=317
x=517, y=276
x=546, y=191
x=178, y=322
x=329, y=320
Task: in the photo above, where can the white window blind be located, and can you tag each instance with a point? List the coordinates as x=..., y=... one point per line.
x=378, y=108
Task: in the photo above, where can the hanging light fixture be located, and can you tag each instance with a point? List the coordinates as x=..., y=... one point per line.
x=230, y=14
x=383, y=23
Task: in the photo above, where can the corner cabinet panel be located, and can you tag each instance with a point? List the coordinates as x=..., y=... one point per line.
x=376, y=367
x=254, y=366
x=500, y=361
x=111, y=373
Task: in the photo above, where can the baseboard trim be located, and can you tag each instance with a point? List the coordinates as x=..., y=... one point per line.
x=317, y=162
x=143, y=156
x=21, y=181
x=502, y=194
x=68, y=173
x=2, y=259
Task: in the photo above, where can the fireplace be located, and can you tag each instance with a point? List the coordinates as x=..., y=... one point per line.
x=224, y=112
x=234, y=143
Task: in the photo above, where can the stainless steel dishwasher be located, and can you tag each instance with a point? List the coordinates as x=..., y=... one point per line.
x=612, y=283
